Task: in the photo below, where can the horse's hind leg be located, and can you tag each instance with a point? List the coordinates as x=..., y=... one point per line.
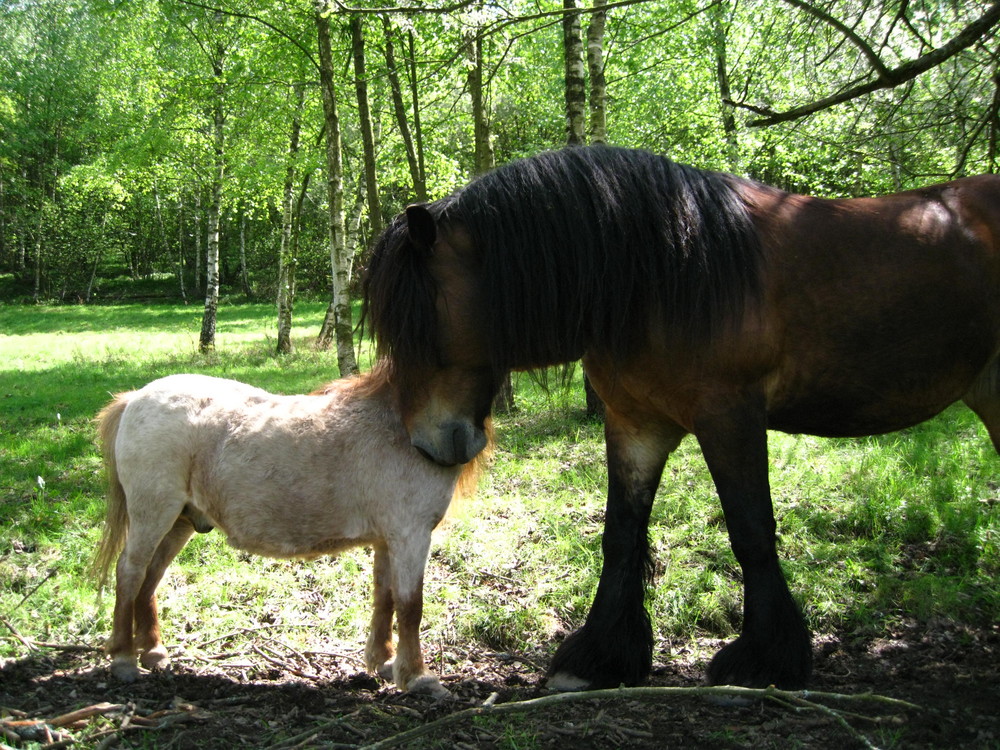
x=378, y=650
x=144, y=538
x=984, y=399
x=147, y=623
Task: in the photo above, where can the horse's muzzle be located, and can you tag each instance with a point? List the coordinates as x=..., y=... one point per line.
x=452, y=443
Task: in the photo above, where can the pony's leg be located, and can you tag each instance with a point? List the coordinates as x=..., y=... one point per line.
x=147, y=623
x=774, y=646
x=144, y=538
x=984, y=399
x=121, y=646
x=407, y=559
x=378, y=650
x=615, y=644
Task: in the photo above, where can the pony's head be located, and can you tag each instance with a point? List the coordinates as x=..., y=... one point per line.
x=425, y=309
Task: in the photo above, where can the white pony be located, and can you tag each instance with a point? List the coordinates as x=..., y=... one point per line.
x=281, y=476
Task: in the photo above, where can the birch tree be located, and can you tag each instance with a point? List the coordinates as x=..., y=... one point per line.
x=286, y=253
x=576, y=80
x=337, y=323
x=217, y=51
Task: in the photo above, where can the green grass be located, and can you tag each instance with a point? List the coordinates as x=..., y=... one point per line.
x=871, y=530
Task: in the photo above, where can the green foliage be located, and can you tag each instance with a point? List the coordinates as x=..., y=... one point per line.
x=106, y=109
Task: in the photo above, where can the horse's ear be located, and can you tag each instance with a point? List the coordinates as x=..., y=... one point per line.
x=421, y=227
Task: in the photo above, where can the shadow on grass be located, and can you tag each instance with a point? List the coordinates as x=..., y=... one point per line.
x=18, y=320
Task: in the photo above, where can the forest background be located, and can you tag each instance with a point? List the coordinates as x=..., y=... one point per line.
x=155, y=152
x=187, y=148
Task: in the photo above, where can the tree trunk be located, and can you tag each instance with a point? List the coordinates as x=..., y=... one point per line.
x=244, y=275
x=418, y=133
x=100, y=251
x=717, y=19
x=576, y=90
x=207, y=341
x=197, y=241
x=337, y=323
x=994, y=133
x=37, y=294
x=595, y=65
x=399, y=107
x=3, y=220
x=364, y=115
x=180, y=248
x=480, y=119
x=286, y=256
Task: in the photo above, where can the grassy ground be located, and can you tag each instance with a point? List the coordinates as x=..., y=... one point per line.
x=872, y=531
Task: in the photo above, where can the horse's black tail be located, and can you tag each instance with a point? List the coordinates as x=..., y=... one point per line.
x=116, y=519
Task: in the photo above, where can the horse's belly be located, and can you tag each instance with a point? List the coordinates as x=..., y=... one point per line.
x=857, y=408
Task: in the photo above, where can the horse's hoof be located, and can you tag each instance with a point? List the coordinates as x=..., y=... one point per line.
x=125, y=671
x=741, y=664
x=564, y=682
x=428, y=684
x=385, y=671
x=155, y=658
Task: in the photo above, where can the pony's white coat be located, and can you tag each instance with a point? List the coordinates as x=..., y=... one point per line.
x=281, y=476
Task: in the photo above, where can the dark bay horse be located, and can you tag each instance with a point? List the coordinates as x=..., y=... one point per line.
x=700, y=303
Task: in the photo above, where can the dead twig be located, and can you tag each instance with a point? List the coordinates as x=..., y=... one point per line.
x=803, y=698
x=280, y=663
x=24, y=641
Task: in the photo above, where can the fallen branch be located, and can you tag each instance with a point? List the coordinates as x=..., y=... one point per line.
x=82, y=714
x=803, y=698
x=24, y=641
x=33, y=645
x=51, y=734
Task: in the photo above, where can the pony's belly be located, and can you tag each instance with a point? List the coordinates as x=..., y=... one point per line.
x=294, y=546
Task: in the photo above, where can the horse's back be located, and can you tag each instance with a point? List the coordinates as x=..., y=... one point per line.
x=880, y=311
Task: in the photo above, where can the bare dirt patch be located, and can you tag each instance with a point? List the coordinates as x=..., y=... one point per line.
x=266, y=697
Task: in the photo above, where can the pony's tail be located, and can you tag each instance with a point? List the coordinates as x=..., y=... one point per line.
x=116, y=519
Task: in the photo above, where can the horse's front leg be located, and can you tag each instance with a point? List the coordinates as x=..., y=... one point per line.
x=378, y=650
x=615, y=644
x=407, y=560
x=774, y=646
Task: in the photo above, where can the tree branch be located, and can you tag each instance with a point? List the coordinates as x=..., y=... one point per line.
x=804, y=699
x=264, y=22
x=886, y=78
x=822, y=15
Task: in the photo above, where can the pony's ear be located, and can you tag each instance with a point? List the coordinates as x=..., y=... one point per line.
x=420, y=225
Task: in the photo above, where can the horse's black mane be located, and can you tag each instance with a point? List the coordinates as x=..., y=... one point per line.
x=580, y=248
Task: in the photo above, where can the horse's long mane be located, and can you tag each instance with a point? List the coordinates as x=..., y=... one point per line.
x=583, y=247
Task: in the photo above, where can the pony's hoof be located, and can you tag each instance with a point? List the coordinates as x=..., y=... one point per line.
x=564, y=682
x=125, y=671
x=155, y=658
x=428, y=684
x=385, y=671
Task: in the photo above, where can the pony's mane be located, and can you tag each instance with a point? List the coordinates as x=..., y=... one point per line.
x=580, y=248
